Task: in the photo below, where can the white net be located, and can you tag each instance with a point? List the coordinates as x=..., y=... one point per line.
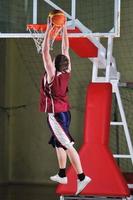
x=37, y=38
x=37, y=32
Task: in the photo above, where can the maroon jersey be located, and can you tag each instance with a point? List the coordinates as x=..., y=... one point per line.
x=54, y=96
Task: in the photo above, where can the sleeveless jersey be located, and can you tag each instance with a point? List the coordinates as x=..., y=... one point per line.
x=54, y=96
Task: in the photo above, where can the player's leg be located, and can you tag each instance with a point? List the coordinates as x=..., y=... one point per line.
x=61, y=140
x=60, y=124
x=82, y=180
x=74, y=159
x=62, y=159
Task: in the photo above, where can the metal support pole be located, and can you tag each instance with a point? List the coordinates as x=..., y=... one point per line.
x=123, y=117
x=117, y=9
x=61, y=197
x=95, y=70
x=34, y=11
x=73, y=11
x=109, y=56
x=95, y=65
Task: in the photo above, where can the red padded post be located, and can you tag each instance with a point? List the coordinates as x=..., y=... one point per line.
x=97, y=113
x=96, y=157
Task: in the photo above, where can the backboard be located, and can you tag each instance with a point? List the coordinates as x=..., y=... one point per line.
x=100, y=17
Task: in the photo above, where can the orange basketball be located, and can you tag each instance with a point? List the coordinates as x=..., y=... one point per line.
x=58, y=18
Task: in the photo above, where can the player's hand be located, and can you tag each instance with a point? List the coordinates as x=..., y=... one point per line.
x=49, y=24
x=49, y=21
x=65, y=26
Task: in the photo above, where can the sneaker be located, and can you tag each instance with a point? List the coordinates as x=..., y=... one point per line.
x=59, y=179
x=82, y=184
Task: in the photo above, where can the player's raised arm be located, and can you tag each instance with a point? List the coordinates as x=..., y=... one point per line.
x=65, y=46
x=47, y=60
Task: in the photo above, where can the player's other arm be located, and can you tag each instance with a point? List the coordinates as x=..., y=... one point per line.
x=65, y=46
x=47, y=60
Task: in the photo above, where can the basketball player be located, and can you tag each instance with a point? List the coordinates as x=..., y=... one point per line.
x=54, y=101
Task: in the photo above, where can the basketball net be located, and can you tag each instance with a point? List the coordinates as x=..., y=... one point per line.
x=37, y=32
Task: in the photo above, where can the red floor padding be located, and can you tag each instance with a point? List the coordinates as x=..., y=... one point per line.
x=97, y=160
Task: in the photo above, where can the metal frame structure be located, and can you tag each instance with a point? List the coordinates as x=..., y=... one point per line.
x=91, y=198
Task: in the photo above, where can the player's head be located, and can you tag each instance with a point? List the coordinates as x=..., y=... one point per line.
x=61, y=63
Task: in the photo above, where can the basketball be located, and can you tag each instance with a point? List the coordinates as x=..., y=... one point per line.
x=58, y=18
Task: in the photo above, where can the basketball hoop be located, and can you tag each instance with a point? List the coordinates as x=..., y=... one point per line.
x=37, y=32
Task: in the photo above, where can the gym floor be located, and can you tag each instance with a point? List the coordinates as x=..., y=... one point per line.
x=36, y=192
x=27, y=192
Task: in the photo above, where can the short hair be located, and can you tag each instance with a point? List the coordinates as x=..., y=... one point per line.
x=61, y=62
